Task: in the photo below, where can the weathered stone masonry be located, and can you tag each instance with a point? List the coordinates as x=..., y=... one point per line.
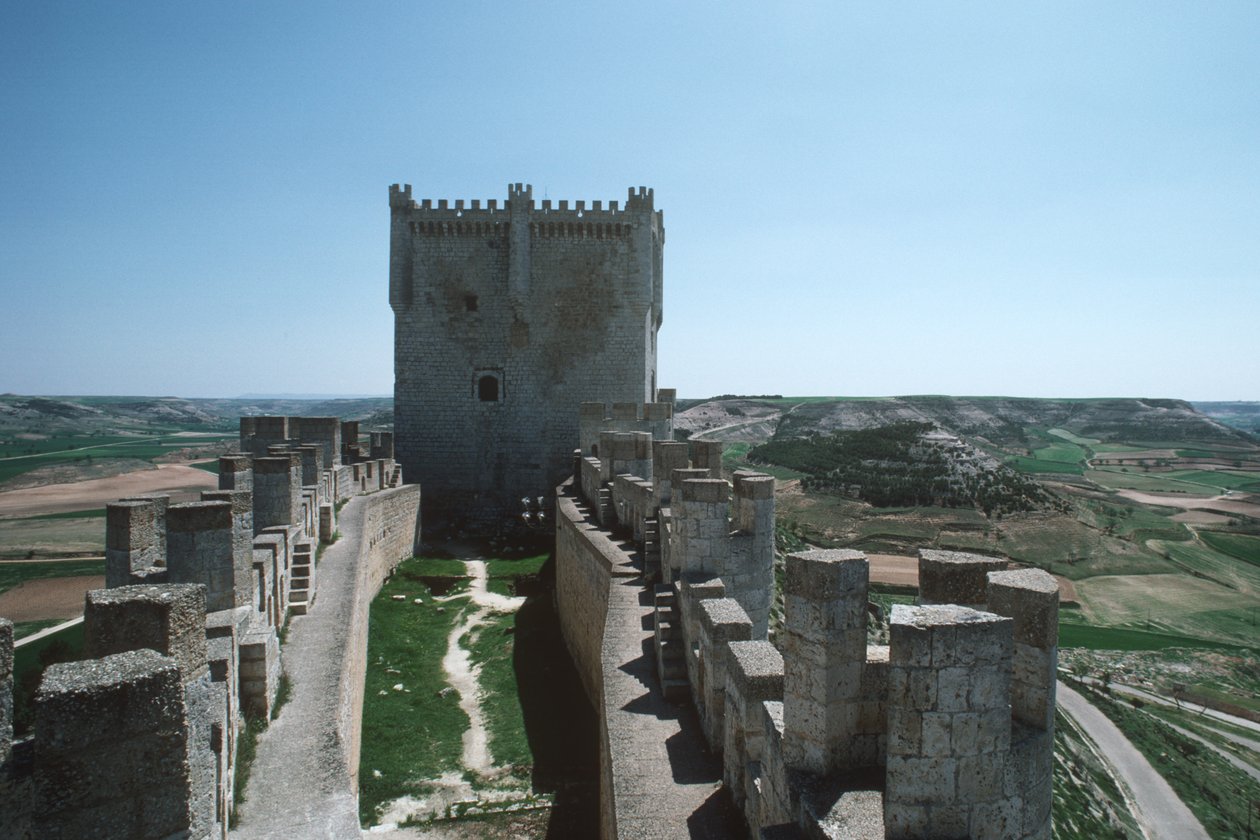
x=946, y=732
x=140, y=739
x=507, y=318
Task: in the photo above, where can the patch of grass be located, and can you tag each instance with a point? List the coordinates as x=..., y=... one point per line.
x=98, y=513
x=1118, y=638
x=22, y=629
x=12, y=574
x=246, y=752
x=1215, y=791
x=500, y=697
x=208, y=466
x=414, y=732
x=1041, y=465
x=1087, y=803
x=1243, y=547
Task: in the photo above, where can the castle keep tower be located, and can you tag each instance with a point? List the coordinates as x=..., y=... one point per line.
x=506, y=319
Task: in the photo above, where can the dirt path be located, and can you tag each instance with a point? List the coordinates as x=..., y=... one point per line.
x=465, y=677
x=1161, y=814
x=98, y=492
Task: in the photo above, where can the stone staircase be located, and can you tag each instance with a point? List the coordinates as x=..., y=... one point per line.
x=606, y=515
x=302, y=578
x=651, y=550
x=671, y=667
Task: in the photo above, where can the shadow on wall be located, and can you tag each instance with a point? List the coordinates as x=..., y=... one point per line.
x=560, y=724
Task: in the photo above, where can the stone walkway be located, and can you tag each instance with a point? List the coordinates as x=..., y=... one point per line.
x=299, y=785
x=668, y=785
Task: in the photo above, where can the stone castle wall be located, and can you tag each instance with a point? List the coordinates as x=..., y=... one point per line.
x=506, y=320
x=947, y=731
x=390, y=534
x=140, y=738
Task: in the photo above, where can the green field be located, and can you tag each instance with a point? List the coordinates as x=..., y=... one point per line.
x=1038, y=465
x=12, y=574
x=1072, y=438
x=1240, y=546
x=22, y=456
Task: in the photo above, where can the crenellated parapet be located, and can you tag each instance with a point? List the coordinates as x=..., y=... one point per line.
x=139, y=739
x=948, y=731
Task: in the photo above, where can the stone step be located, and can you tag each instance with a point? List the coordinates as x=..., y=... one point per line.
x=676, y=690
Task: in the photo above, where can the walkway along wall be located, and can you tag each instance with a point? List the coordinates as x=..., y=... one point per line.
x=946, y=732
x=139, y=739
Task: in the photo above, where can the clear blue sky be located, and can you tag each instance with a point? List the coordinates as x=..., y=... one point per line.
x=1039, y=199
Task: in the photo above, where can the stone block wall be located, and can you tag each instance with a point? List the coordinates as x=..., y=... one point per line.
x=507, y=318
x=390, y=534
x=173, y=668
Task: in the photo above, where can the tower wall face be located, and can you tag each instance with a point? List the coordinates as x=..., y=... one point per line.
x=506, y=320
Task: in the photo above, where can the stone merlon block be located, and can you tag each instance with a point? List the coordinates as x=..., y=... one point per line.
x=169, y=618
x=948, y=636
x=826, y=574
x=199, y=516
x=274, y=464
x=82, y=703
x=753, y=485
x=241, y=501
x=955, y=577
x=704, y=490
x=756, y=669
x=724, y=620
x=1031, y=598
x=130, y=525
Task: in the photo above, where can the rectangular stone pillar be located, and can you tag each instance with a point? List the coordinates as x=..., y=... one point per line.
x=131, y=544
x=754, y=674
x=590, y=424
x=277, y=490
x=707, y=455
x=824, y=652
x=667, y=456
x=749, y=572
x=242, y=502
x=701, y=526
x=955, y=577
x=200, y=549
x=349, y=441
x=236, y=472
x=949, y=724
x=324, y=432
x=169, y=618
x=722, y=621
x=160, y=503
x=381, y=447
x=111, y=749
x=312, y=463
x=1030, y=597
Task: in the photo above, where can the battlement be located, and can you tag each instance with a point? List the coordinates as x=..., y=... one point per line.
x=183, y=643
x=546, y=219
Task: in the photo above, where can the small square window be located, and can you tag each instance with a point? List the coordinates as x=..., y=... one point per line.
x=470, y=303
